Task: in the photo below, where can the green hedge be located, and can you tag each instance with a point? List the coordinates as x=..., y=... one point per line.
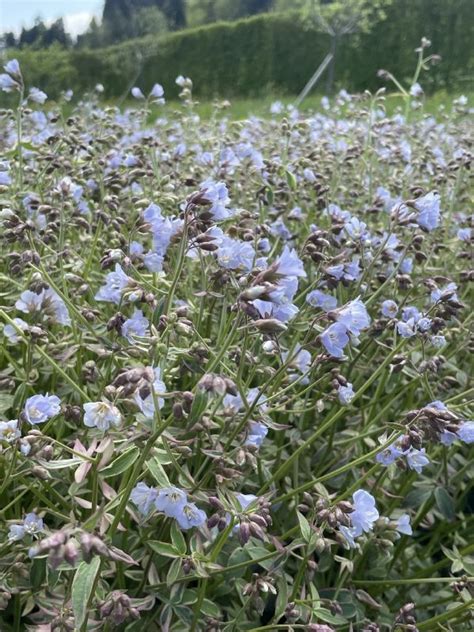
x=274, y=51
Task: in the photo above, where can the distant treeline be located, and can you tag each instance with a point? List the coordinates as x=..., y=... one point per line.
x=276, y=52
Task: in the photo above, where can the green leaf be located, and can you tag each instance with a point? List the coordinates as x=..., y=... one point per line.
x=156, y=470
x=327, y=617
x=163, y=548
x=173, y=572
x=445, y=504
x=291, y=179
x=6, y=402
x=121, y=463
x=178, y=539
x=198, y=407
x=82, y=588
x=304, y=527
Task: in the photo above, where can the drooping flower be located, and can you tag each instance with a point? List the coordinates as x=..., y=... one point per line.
x=37, y=95
x=466, y=432
x=147, y=404
x=365, y=513
x=334, y=339
x=11, y=332
x=40, y=408
x=256, y=434
x=326, y=302
x=354, y=317
x=403, y=525
x=144, y=497
x=289, y=264
x=428, y=207
x=346, y=394
x=101, y=415
x=115, y=284
x=137, y=93
x=137, y=325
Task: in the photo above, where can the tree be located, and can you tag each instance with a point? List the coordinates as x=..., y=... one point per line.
x=340, y=18
x=119, y=12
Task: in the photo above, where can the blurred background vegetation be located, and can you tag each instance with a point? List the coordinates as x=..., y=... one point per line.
x=249, y=48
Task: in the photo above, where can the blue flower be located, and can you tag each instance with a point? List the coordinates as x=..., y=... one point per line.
x=354, y=317
x=365, y=513
x=389, y=309
x=256, y=434
x=115, y=284
x=424, y=324
x=171, y=501
x=11, y=332
x=217, y=194
x=137, y=325
x=346, y=394
x=31, y=525
x=389, y=455
x=326, y=302
x=147, y=404
x=289, y=264
x=144, y=497
x=408, y=329
x=417, y=459
x=190, y=516
x=464, y=234
x=403, y=525
x=428, y=207
x=7, y=84
x=466, y=432
x=101, y=415
x=233, y=254
x=40, y=408
x=334, y=339
x=29, y=302
x=9, y=431
x=245, y=500
x=37, y=95
x=438, y=341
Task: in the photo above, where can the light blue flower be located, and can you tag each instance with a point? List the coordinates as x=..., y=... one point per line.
x=256, y=434
x=31, y=525
x=389, y=309
x=137, y=325
x=346, y=394
x=428, y=207
x=115, y=284
x=408, y=329
x=147, y=404
x=289, y=264
x=37, y=95
x=354, y=317
x=40, y=408
x=144, y=497
x=11, y=332
x=326, y=302
x=9, y=431
x=190, y=516
x=403, y=525
x=389, y=455
x=171, y=501
x=466, y=432
x=417, y=459
x=101, y=415
x=365, y=513
x=334, y=339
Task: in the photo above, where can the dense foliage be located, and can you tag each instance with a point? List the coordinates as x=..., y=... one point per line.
x=235, y=366
x=277, y=51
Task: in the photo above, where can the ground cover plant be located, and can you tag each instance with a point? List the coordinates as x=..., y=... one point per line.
x=235, y=366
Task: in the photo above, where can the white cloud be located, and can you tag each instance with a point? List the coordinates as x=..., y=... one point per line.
x=77, y=23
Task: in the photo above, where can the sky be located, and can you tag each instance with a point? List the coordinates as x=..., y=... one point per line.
x=76, y=13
